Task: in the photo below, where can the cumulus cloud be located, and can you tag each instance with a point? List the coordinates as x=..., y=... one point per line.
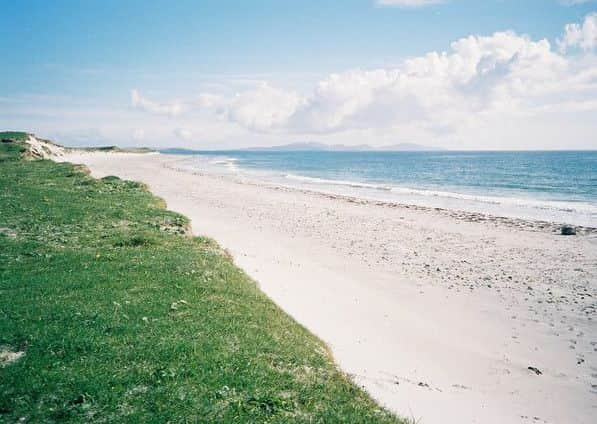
x=482, y=86
x=262, y=108
x=582, y=36
x=480, y=75
x=143, y=103
x=408, y=3
x=208, y=100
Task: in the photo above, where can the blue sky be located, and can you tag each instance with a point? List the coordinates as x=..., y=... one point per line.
x=202, y=73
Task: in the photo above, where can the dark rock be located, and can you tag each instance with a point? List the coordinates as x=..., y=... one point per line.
x=568, y=230
x=535, y=370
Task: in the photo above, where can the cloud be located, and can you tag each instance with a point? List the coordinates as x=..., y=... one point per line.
x=481, y=76
x=143, y=103
x=408, y=3
x=208, y=100
x=582, y=36
x=496, y=89
x=261, y=108
x=183, y=134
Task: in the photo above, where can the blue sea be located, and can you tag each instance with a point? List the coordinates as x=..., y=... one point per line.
x=559, y=186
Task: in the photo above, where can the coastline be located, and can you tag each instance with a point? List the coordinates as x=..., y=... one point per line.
x=432, y=186
x=515, y=222
x=438, y=314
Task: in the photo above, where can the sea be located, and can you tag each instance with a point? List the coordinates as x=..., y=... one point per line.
x=555, y=186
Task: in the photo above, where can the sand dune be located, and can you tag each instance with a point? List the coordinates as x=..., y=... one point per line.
x=440, y=315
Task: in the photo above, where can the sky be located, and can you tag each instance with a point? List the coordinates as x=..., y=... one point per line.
x=456, y=74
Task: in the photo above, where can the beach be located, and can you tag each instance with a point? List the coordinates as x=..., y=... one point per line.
x=443, y=316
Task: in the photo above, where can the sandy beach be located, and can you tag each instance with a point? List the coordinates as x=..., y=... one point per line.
x=442, y=316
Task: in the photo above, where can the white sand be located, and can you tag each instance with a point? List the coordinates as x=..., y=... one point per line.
x=44, y=149
x=437, y=314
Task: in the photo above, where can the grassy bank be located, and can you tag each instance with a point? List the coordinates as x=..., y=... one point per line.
x=110, y=311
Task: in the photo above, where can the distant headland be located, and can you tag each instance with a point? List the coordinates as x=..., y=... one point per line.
x=322, y=147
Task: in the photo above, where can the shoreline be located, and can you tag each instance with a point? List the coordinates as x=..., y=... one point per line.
x=529, y=224
x=437, y=317
x=528, y=206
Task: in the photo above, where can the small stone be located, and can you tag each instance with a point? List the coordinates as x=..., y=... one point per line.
x=568, y=230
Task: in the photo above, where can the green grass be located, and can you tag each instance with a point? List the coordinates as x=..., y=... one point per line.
x=13, y=135
x=124, y=317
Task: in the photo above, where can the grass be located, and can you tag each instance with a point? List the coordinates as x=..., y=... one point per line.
x=122, y=316
x=13, y=135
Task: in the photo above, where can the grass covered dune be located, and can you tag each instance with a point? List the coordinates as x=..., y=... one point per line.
x=111, y=311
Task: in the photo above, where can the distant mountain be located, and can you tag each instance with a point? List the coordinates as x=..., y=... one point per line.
x=312, y=146
x=407, y=147
x=317, y=147
x=178, y=151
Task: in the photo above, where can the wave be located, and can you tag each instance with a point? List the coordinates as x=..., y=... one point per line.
x=227, y=162
x=223, y=161
x=563, y=206
x=581, y=212
x=552, y=205
x=355, y=184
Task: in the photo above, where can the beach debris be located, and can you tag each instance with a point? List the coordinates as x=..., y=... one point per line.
x=568, y=230
x=535, y=370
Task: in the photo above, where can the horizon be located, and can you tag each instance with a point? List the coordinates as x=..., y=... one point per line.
x=454, y=75
x=274, y=148
x=373, y=150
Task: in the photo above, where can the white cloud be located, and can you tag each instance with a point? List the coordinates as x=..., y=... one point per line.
x=479, y=75
x=262, y=108
x=482, y=81
x=143, y=103
x=408, y=3
x=495, y=91
x=208, y=100
x=183, y=134
x=582, y=36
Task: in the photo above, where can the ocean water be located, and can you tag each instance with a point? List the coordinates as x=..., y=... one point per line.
x=553, y=186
